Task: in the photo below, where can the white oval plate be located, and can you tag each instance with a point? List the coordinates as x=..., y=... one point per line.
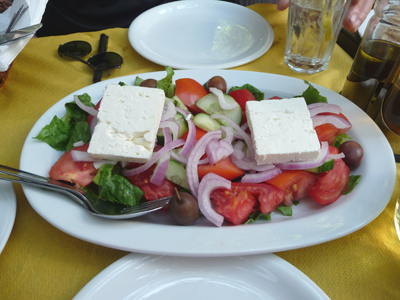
x=263, y=277
x=155, y=233
x=200, y=35
x=8, y=209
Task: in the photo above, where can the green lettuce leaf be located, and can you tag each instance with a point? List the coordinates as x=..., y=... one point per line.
x=312, y=95
x=353, y=181
x=56, y=134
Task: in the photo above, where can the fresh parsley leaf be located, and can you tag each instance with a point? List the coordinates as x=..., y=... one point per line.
x=80, y=132
x=56, y=134
x=256, y=92
x=253, y=217
x=311, y=95
x=340, y=139
x=286, y=210
x=353, y=181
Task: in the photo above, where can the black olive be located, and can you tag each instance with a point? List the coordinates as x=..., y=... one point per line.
x=217, y=82
x=183, y=208
x=353, y=153
x=150, y=83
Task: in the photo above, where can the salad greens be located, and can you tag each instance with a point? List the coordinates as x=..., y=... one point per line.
x=63, y=132
x=312, y=95
x=256, y=92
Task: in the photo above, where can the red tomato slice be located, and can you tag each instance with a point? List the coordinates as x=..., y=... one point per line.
x=199, y=134
x=150, y=190
x=189, y=91
x=326, y=132
x=224, y=168
x=90, y=117
x=80, y=173
x=275, y=98
x=237, y=203
x=330, y=186
x=294, y=183
x=241, y=97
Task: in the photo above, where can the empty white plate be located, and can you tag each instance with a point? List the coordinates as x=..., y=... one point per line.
x=8, y=209
x=200, y=35
x=260, y=277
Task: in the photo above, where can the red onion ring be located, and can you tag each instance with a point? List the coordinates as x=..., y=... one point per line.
x=77, y=155
x=191, y=138
x=209, y=183
x=173, y=126
x=194, y=157
x=261, y=177
x=169, y=111
x=336, y=156
x=160, y=170
x=90, y=110
x=156, y=156
x=78, y=144
x=221, y=99
x=327, y=108
x=167, y=135
x=336, y=121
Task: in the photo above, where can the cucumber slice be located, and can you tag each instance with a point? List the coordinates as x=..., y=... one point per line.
x=178, y=103
x=183, y=127
x=177, y=174
x=205, y=122
x=210, y=104
x=327, y=166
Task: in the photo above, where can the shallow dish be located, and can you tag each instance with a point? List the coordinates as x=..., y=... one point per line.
x=8, y=209
x=137, y=276
x=200, y=35
x=311, y=223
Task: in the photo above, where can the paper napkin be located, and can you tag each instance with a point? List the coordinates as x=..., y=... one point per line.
x=32, y=16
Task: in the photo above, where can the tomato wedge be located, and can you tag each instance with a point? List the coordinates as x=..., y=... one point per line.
x=90, y=117
x=342, y=116
x=224, y=168
x=294, y=183
x=199, y=134
x=237, y=203
x=80, y=173
x=241, y=97
x=189, y=91
x=150, y=190
x=326, y=132
x=331, y=185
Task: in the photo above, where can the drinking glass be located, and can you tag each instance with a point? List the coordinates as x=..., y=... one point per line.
x=312, y=31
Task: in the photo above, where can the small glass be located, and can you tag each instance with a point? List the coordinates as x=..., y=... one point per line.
x=312, y=30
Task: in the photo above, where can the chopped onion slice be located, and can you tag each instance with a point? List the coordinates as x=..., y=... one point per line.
x=169, y=111
x=191, y=138
x=239, y=161
x=78, y=144
x=262, y=176
x=228, y=134
x=156, y=156
x=173, y=126
x=194, y=157
x=160, y=170
x=184, y=161
x=90, y=110
x=336, y=156
x=301, y=165
x=336, y=121
x=242, y=133
x=221, y=99
x=98, y=164
x=167, y=135
x=217, y=150
x=209, y=183
x=77, y=155
x=326, y=108
x=92, y=124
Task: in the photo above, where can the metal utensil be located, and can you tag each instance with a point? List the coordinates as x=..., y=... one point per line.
x=96, y=207
x=19, y=34
x=15, y=18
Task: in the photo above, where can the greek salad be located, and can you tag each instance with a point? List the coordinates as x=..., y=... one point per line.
x=204, y=155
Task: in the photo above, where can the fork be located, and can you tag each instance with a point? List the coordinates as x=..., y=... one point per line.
x=96, y=207
x=15, y=18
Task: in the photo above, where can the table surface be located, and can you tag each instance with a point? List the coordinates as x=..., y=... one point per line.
x=41, y=262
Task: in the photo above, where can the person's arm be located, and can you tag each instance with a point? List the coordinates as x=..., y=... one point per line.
x=355, y=16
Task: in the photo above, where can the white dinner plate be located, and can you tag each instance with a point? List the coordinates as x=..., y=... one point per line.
x=262, y=277
x=155, y=233
x=200, y=35
x=8, y=209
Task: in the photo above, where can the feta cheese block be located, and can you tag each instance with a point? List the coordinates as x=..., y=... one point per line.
x=127, y=123
x=282, y=131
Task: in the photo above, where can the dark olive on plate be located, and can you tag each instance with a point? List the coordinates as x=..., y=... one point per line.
x=353, y=153
x=183, y=208
x=217, y=82
x=150, y=83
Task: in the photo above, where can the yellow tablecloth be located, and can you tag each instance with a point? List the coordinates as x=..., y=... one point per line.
x=41, y=262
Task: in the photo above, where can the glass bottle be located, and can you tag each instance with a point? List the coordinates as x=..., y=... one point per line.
x=377, y=61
